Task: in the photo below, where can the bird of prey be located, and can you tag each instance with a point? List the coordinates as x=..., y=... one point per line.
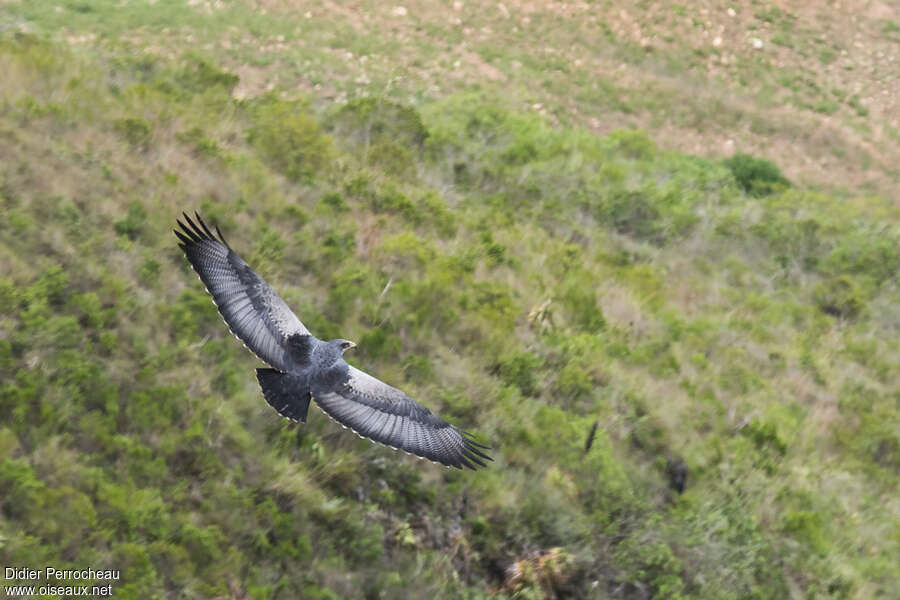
x=305, y=367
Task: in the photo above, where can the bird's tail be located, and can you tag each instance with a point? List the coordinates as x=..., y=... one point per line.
x=286, y=393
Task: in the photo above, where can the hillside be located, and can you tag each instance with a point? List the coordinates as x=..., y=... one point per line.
x=690, y=243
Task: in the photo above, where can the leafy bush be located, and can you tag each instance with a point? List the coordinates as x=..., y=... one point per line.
x=199, y=75
x=520, y=370
x=436, y=212
x=807, y=527
x=370, y=119
x=287, y=137
x=393, y=200
x=869, y=428
x=756, y=176
x=334, y=201
x=51, y=286
x=765, y=436
x=632, y=213
x=650, y=562
x=135, y=130
x=387, y=133
x=134, y=221
x=635, y=144
x=872, y=254
x=201, y=144
x=839, y=296
x=573, y=382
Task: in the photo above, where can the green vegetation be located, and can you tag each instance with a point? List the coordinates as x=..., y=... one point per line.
x=289, y=139
x=756, y=176
x=522, y=278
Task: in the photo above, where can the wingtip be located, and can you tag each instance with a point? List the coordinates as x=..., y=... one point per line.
x=183, y=238
x=187, y=233
x=222, y=237
x=196, y=229
x=191, y=223
x=469, y=437
x=477, y=452
x=203, y=225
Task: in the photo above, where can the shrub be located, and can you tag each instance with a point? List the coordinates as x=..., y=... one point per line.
x=148, y=272
x=269, y=248
x=136, y=131
x=870, y=428
x=871, y=253
x=380, y=342
x=635, y=144
x=51, y=286
x=392, y=200
x=633, y=213
x=580, y=300
x=90, y=310
x=807, y=527
x=199, y=76
x=334, y=201
x=520, y=370
x=369, y=119
x=202, y=145
x=839, y=296
x=756, y=176
x=193, y=312
x=765, y=437
x=436, y=212
x=133, y=223
x=790, y=238
x=573, y=382
x=24, y=493
x=289, y=139
x=650, y=562
x=383, y=131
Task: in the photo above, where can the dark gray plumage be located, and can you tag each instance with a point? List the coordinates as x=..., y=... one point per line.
x=308, y=368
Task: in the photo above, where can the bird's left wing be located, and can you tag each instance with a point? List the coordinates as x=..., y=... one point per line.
x=382, y=413
x=251, y=308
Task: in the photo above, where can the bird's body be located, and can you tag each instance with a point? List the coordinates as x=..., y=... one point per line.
x=306, y=368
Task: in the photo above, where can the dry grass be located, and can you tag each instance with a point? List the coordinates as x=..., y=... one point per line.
x=807, y=85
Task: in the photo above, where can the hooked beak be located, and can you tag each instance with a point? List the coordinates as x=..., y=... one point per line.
x=350, y=345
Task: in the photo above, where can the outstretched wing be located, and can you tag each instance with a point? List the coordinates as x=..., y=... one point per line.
x=377, y=411
x=250, y=307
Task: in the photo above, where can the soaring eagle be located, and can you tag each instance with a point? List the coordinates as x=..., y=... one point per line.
x=305, y=367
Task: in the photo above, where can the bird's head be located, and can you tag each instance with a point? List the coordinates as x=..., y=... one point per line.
x=344, y=345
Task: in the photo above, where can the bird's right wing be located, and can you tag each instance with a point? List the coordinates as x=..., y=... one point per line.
x=251, y=308
x=382, y=413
